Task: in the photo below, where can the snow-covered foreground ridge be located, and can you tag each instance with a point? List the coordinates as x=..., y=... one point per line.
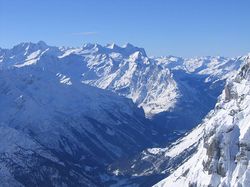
x=222, y=141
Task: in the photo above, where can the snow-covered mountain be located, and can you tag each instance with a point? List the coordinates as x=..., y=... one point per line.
x=125, y=70
x=167, y=88
x=129, y=72
x=217, y=68
x=53, y=118
x=221, y=153
x=57, y=131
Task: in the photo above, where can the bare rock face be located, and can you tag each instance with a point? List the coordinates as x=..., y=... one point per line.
x=230, y=92
x=244, y=72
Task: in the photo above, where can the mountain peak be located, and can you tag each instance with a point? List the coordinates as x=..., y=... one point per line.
x=128, y=45
x=90, y=46
x=31, y=46
x=42, y=44
x=113, y=46
x=127, y=49
x=131, y=49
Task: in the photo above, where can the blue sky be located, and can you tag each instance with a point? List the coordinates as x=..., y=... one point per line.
x=163, y=27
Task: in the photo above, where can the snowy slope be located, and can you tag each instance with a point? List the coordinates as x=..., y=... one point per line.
x=125, y=70
x=57, y=131
x=222, y=154
x=128, y=71
x=70, y=127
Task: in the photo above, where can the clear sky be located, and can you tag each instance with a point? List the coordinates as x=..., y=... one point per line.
x=163, y=27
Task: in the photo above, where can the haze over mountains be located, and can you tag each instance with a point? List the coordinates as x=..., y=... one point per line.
x=88, y=116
